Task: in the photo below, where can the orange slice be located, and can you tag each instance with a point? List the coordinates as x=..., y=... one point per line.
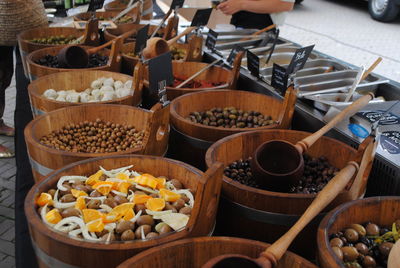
x=80, y=203
x=78, y=193
x=53, y=216
x=129, y=215
x=94, y=178
x=122, y=176
x=146, y=180
x=141, y=198
x=95, y=226
x=169, y=195
x=123, y=187
x=91, y=215
x=103, y=187
x=44, y=199
x=155, y=204
x=161, y=183
x=123, y=208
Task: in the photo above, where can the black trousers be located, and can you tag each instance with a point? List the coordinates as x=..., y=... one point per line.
x=24, y=254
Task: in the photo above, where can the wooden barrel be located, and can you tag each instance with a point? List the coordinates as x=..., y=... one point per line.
x=107, y=15
x=197, y=135
x=195, y=252
x=110, y=34
x=26, y=46
x=78, y=80
x=36, y=70
x=118, y=5
x=265, y=215
x=45, y=159
x=381, y=210
x=215, y=74
x=54, y=249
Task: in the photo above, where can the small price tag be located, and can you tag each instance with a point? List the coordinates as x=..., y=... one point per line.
x=211, y=39
x=279, y=78
x=253, y=63
x=235, y=50
x=160, y=69
x=299, y=59
x=141, y=39
x=390, y=141
x=373, y=116
x=177, y=4
x=95, y=4
x=201, y=17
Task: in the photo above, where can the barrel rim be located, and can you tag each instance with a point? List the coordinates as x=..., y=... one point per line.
x=34, y=219
x=32, y=86
x=128, y=26
x=21, y=36
x=78, y=17
x=29, y=131
x=330, y=218
x=38, y=66
x=179, y=117
x=209, y=156
x=206, y=239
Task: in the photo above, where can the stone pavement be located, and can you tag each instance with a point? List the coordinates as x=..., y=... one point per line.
x=7, y=187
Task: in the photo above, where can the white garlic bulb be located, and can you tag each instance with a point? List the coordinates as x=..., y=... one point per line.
x=108, y=96
x=84, y=97
x=72, y=97
x=96, y=84
x=118, y=84
x=60, y=98
x=108, y=82
x=128, y=84
x=50, y=94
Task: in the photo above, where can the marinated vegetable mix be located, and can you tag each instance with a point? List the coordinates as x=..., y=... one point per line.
x=195, y=83
x=54, y=40
x=116, y=205
x=94, y=137
x=230, y=117
x=365, y=245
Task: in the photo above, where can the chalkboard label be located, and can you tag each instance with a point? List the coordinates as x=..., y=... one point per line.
x=373, y=116
x=95, y=4
x=177, y=4
x=279, y=78
x=253, y=63
x=160, y=69
x=390, y=141
x=141, y=39
x=235, y=50
x=201, y=17
x=211, y=39
x=299, y=59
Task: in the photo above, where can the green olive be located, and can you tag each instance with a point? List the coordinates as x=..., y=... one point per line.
x=362, y=248
x=372, y=229
x=351, y=235
x=338, y=252
x=359, y=228
x=350, y=253
x=336, y=242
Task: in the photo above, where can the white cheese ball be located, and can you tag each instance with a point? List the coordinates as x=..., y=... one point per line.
x=128, y=84
x=84, y=97
x=60, y=98
x=122, y=92
x=88, y=91
x=108, y=96
x=96, y=84
x=108, y=82
x=118, y=84
x=96, y=94
x=62, y=93
x=72, y=97
x=50, y=94
x=106, y=88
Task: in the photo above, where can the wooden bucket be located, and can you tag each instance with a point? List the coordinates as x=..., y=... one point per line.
x=54, y=249
x=214, y=74
x=265, y=215
x=382, y=210
x=198, y=137
x=195, y=252
x=118, y=6
x=78, y=80
x=36, y=70
x=193, y=53
x=110, y=34
x=85, y=16
x=26, y=46
x=45, y=159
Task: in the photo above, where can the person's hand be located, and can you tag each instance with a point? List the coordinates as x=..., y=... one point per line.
x=230, y=7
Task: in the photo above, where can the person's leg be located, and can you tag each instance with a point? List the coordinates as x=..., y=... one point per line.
x=24, y=254
x=6, y=73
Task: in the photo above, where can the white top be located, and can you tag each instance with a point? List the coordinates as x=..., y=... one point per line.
x=279, y=18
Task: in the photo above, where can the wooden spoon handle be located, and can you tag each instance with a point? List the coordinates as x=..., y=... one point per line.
x=123, y=36
x=161, y=23
x=196, y=74
x=176, y=38
x=371, y=68
x=328, y=193
x=260, y=32
x=307, y=142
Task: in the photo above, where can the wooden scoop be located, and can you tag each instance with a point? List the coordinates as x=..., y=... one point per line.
x=276, y=164
x=270, y=257
x=78, y=57
x=156, y=46
x=266, y=29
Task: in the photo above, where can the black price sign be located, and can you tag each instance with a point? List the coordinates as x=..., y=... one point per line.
x=141, y=39
x=253, y=63
x=373, y=116
x=201, y=17
x=177, y=4
x=279, y=78
x=211, y=39
x=299, y=59
x=160, y=69
x=390, y=141
x=235, y=50
x=95, y=4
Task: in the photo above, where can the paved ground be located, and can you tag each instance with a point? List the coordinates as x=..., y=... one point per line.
x=344, y=29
